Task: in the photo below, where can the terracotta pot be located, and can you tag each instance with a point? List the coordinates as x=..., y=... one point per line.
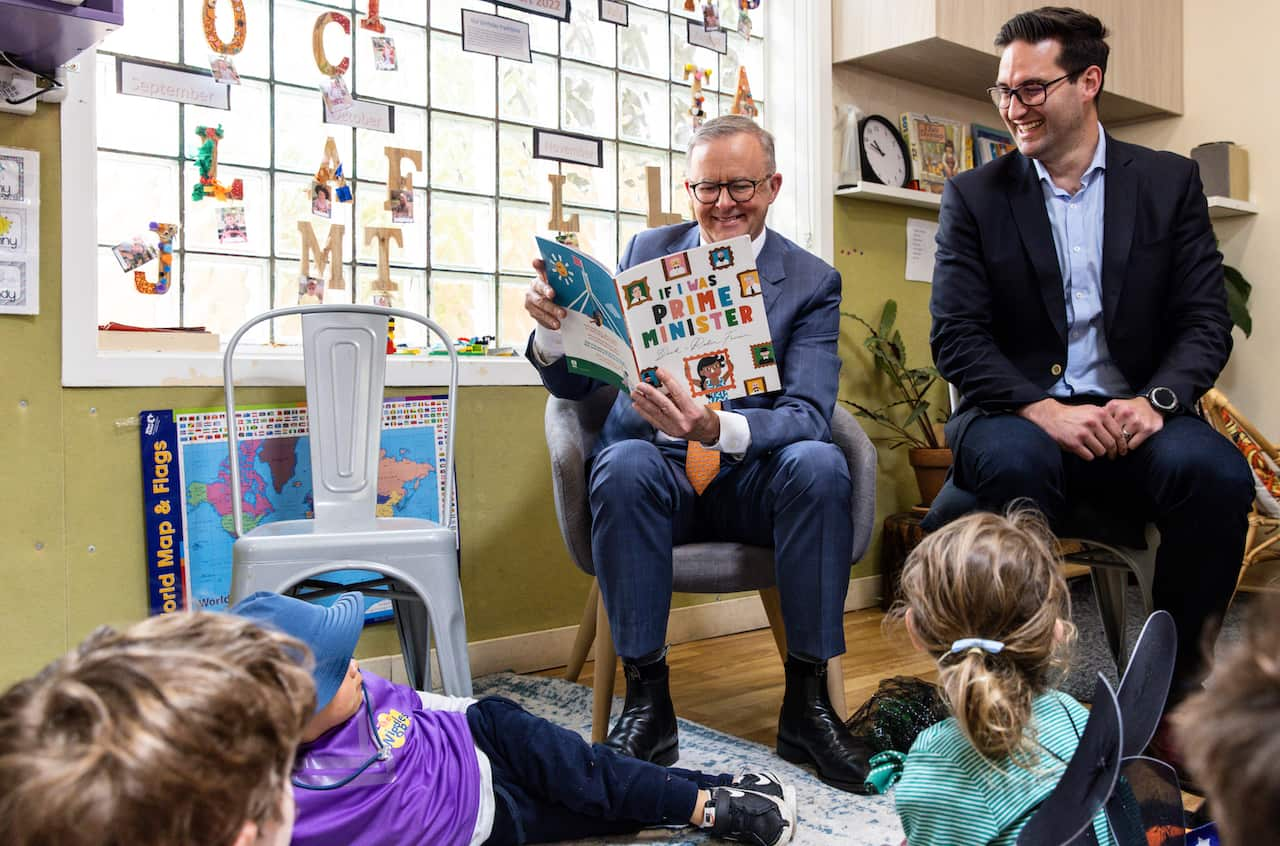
x=931, y=467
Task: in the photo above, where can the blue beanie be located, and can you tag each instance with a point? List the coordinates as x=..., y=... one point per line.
x=329, y=632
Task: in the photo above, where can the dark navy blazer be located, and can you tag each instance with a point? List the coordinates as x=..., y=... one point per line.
x=802, y=301
x=998, y=305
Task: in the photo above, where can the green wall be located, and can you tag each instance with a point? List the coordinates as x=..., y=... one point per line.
x=70, y=515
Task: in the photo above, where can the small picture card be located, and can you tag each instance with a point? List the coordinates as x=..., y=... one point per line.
x=13, y=177
x=568, y=147
x=717, y=40
x=381, y=298
x=558, y=9
x=134, y=253
x=402, y=211
x=18, y=292
x=231, y=226
x=384, y=53
x=175, y=83
x=615, y=12
x=710, y=15
x=337, y=99
x=744, y=23
x=15, y=231
x=310, y=290
x=224, y=70
x=494, y=35
x=321, y=200
x=363, y=114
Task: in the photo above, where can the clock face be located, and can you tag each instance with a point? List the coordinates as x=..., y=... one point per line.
x=883, y=159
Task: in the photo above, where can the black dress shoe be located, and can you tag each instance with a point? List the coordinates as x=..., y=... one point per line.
x=646, y=728
x=811, y=732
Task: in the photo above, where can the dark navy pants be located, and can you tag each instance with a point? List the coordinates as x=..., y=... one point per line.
x=1187, y=479
x=796, y=500
x=550, y=784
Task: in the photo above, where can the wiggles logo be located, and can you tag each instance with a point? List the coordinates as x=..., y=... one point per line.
x=393, y=728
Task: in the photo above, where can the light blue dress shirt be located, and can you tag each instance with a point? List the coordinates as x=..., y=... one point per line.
x=1076, y=220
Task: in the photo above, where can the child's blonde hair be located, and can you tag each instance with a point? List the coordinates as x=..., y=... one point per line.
x=996, y=578
x=175, y=731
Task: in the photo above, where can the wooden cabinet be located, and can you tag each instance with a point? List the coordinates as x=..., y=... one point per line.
x=946, y=44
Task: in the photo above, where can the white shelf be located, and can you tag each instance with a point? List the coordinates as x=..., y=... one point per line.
x=897, y=196
x=1228, y=207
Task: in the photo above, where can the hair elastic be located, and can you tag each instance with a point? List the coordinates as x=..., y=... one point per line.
x=992, y=646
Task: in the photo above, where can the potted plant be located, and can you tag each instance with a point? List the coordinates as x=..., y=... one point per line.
x=908, y=415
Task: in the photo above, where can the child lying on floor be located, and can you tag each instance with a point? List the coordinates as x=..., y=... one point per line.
x=378, y=765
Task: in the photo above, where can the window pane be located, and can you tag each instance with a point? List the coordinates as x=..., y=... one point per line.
x=585, y=37
x=629, y=226
x=518, y=224
x=684, y=53
x=412, y=11
x=681, y=120
x=586, y=100
x=410, y=134
x=633, y=183
x=410, y=294
x=132, y=192
x=514, y=323
x=203, y=219
x=598, y=235
x=294, y=59
x=523, y=91
x=643, y=114
x=301, y=132
x=464, y=154
x=370, y=207
x=680, y=201
x=137, y=124
x=152, y=33
x=521, y=175
x=253, y=60
x=447, y=14
x=749, y=55
x=462, y=232
x=460, y=82
x=463, y=304
x=246, y=137
x=642, y=46
x=120, y=301
x=593, y=186
x=544, y=32
x=222, y=293
x=726, y=107
x=293, y=204
x=406, y=84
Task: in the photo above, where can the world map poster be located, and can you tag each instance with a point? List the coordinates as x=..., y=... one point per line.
x=186, y=479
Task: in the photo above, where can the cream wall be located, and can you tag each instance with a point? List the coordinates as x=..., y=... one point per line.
x=1229, y=95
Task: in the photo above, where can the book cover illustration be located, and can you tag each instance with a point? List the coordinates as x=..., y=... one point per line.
x=990, y=144
x=699, y=314
x=939, y=148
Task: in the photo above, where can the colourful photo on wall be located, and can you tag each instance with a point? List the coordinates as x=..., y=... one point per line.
x=310, y=290
x=675, y=266
x=402, y=211
x=321, y=200
x=710, y=375
x=133, y=253
x=231, y=225
x=224, y=70
x=384, y=53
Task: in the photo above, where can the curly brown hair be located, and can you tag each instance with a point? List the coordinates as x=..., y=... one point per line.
x=177, y=730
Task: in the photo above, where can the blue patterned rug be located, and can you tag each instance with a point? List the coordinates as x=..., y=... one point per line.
x=826, y=816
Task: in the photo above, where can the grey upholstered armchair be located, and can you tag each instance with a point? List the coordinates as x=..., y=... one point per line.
x=718, y=567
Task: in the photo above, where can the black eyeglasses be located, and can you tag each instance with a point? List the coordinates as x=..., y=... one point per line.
x=740, y=190
x=1030, y=94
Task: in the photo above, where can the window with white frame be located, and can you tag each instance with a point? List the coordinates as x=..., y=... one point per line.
x=480, y=196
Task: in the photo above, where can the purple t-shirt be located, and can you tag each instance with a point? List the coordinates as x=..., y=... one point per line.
x=434, y=797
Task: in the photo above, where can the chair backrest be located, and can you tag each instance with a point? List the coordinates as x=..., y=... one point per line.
x=345, y=362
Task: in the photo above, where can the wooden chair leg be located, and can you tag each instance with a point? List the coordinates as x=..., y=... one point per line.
x=586, y=634
x=772, y=602
x=835, y=686
x=602, y=681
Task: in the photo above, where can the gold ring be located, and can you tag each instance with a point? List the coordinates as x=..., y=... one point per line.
x=1127, y=435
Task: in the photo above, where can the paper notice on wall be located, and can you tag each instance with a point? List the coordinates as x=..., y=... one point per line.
x=921, y=248
x=19, y=231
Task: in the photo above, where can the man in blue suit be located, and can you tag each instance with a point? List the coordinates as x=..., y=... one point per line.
x=780, y=483
x=1079, y=306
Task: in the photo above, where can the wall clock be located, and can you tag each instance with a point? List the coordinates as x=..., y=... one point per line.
x=883, y=152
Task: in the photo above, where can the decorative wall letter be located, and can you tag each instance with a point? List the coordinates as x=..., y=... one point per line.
x=385, y=235
x=558, y=222
x=330, y=257
x=742, y=102
x=211, y=27
x=695, y=108
x=397, y=182
x=656, y=216
x=165, y=231
x=317, y=43
x=207, y=162
x=330, y=170
x=372, y=22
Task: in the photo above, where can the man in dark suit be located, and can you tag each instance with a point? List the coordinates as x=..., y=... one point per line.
x=1079, y=307
x=780, y=483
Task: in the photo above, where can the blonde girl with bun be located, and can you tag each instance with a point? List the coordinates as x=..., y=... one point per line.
x=985, y=597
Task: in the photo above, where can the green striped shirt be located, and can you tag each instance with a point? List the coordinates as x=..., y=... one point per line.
x=950, y=795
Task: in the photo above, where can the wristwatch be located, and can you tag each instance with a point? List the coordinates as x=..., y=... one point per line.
x=1162, y=399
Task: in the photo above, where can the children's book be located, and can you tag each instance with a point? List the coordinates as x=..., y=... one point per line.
x=699, y=314
x=939, y=148
x=990, y=144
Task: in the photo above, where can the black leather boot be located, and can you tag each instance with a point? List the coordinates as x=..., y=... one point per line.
x=646, y=728
x=811, y=732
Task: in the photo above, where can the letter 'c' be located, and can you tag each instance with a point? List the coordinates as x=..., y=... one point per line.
x=317, y=43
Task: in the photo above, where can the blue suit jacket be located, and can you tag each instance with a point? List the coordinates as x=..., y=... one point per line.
x=802, y=302
x=999, y=309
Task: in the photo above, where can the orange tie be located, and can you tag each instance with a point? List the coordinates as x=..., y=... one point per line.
x=701, y=464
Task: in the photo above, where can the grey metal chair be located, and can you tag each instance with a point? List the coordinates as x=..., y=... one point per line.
x=572, y=429
x=416, y=560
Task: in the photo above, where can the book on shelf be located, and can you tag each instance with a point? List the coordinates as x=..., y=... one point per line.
x=989, y=144
x=121, y=337
x=698, y=313
x=939, y=148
